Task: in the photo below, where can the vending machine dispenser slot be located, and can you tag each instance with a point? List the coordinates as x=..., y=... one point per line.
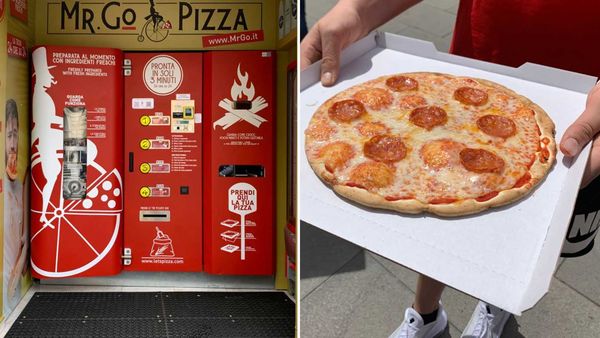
x=75, y=153
x=155, y=216
x=235, y=170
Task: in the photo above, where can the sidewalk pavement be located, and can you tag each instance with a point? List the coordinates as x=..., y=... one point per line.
x=347, y=291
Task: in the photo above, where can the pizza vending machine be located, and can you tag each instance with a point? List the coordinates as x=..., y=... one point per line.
x=239, y=172
x=76, y=162
x=163, y=155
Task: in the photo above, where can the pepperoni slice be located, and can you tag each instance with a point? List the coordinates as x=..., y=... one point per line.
x=370, y=175
x=320, y=131
x=346, y=110
x=385, y=148
x=481, y=161
x=336, y=155
x=497, y=125
x=428, y=117
x=402, y=83
x=412, y=101
x=374, y=98
x=371, y=129
x=471, y=96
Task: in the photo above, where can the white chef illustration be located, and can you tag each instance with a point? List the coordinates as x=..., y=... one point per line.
x=45, y=115
x=49, y=140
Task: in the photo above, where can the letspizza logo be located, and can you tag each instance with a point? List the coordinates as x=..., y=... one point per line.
x=152, y=20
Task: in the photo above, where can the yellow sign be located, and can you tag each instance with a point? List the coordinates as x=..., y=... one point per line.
x=152, y=24
x=145, y=192
x=145, y=120
x=145, y=168
x=145, y=144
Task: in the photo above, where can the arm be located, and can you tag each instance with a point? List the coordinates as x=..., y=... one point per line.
x=18, y=268
x=57, y=120
x=20, y=263
x=346, y=22
x=585, y=129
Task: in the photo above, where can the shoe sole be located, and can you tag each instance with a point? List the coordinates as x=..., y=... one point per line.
x=441, y=334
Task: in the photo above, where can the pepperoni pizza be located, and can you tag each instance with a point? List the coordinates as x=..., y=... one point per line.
x=431, y=142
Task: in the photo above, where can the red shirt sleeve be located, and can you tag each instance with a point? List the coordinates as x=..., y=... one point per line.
x=556, y=33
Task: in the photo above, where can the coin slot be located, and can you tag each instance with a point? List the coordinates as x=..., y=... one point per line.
x=74, y=170
x=131, y=162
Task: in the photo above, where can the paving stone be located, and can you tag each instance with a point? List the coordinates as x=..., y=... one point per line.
x=442, y=44
x=317, y=9
x=393, y=26
x=458, y=305
x=367, y=302
x=429, y=19
x=321, y=255
x=583, y=274
x=450, y=6
x=561, y=313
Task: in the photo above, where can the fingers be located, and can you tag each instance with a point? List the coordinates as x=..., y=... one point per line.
x=310, y=48
x=593, y=166
x=584, y=128
x=325, y=45
x=330, y=67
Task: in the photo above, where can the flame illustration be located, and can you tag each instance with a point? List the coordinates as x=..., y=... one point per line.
x=237, y=90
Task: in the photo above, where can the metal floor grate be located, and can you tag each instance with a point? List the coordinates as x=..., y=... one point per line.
x=156, y=314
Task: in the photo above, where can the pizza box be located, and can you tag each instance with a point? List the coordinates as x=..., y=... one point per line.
x=505, y=256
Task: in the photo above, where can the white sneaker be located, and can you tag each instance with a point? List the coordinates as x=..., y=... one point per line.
x=487, y=321
x=413, y=327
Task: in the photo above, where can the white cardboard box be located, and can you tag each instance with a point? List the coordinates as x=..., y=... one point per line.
x=505, y=256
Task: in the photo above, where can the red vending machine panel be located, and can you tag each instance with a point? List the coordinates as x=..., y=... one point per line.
x=76, y=162
x=163, y=154
x=239, y=172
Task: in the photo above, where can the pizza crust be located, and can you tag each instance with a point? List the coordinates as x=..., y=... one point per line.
x=459, y=208
x=538, y=169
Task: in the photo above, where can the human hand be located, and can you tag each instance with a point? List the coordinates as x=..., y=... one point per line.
x=585, y=129
x=333, y=32
x=346, y=22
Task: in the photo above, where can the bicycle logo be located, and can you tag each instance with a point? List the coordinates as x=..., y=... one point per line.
x=156, y=29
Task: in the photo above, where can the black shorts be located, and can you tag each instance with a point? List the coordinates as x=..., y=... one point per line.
x=584, y=222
